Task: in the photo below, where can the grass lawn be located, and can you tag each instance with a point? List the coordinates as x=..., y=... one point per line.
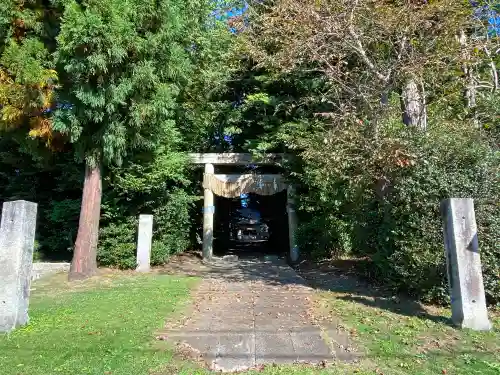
x=107, y=325
x=101, y=326
x=104, y=326
x=395, y=341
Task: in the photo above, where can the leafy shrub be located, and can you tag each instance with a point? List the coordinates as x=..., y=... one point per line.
x=171, y=222
x=382, y=200
x=117, y=245
x=150, y=184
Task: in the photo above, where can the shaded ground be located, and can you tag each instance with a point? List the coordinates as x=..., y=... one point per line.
x=397, y=334
x=341, y=276
x=253, y=312
x=107, y=325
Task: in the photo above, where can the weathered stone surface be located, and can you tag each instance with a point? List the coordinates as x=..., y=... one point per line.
x=309, y=346
x=144, y=240
x=237, y=158
x=271, y=347
x=230, y=258
x=292, y=225
x=258, y=312
x=208, y=218
x=235, y=352
x=17, y=238
x=468, y=302
x=42, y=269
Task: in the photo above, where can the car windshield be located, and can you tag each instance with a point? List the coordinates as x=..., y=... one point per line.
x=248, y=214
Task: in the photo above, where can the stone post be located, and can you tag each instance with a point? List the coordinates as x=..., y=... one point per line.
x=17, y=240
x=144, y=239
x=292, y=225
x=468, y=303
x=208, y=218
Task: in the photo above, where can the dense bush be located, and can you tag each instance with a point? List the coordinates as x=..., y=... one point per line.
x=382, y=200
x=54, y=183
x=117, y=240
x=158, y=187
x=117, y=244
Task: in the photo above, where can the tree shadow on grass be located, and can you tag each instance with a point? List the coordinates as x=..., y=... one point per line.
x=342, y=276
x=406, y=307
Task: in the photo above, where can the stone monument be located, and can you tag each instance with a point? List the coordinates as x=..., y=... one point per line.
x=17, y=239
x=465, y=277
x=144, y=239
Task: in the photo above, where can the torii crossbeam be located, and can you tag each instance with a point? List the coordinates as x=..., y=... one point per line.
x=233, y=185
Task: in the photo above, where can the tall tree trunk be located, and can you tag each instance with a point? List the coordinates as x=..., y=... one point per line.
x=413, y=105
x=84, y=263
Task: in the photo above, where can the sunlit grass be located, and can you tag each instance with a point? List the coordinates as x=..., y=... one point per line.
x=396, y=341
x=107, y=325
x=102, y=326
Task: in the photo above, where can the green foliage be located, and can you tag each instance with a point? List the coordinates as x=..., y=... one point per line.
x=117, y=244
x=59, y=233
x=135, y=84
x=377, y=197
x=128, y=71
x=256, y=106
x=383, y=201
x=172, y=220
x=202, y=100
x=148, y=184
x=488, y=112
x=151, y=183
x=451, y=163
x=53, y=182
x=125, y=64
x=27, y=75
x=331, y=92
x=397, y=334
x=140, y=82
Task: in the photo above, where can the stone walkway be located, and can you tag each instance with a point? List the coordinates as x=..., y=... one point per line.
x=253, y=312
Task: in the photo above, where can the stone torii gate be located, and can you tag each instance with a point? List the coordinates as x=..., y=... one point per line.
x=232, y=185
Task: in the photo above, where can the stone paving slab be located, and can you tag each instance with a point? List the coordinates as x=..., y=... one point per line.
x=251, y=313
x=235, y=352
x=205, y=345
x=274, y=348
x=309, y=346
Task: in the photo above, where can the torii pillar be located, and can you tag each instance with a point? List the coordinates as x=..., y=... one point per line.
x=208, y=218
x=292, y=224
x=209, y=160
